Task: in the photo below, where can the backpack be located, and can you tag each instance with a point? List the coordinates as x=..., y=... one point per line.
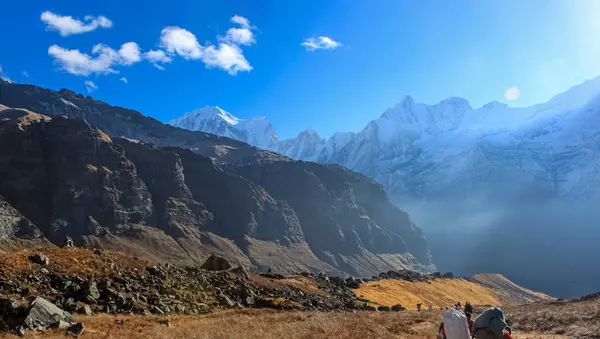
x=455, y=325
x=493, y=320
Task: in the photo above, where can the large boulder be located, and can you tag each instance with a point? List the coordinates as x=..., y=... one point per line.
x=43, y=314
x=216, y=263
x=40, y=259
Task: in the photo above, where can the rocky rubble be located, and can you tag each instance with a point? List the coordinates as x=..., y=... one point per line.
x=46, y=292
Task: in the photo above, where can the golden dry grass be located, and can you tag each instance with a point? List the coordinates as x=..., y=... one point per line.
x=267, y=324
x=437, y=293
x=508, y=291
x=69, y=260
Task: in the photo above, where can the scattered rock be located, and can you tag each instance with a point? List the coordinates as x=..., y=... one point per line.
x=240, y=271
x=76, y=330
x=40, y=259
x=42, y=314
x=165, y=322
x=216, y=263
x=383, y=308
x=60, y=325
x=225, y=301
x=85, y=309
x=448, y=275
x=398, y=308
x=352, y=283
x=20, y=331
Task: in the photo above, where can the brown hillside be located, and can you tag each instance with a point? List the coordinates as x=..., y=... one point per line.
x=484, y=289
x=437, y=293
x=507, y=291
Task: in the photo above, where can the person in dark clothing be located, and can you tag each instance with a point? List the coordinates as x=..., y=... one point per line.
x=468, y=307
x=470, y=322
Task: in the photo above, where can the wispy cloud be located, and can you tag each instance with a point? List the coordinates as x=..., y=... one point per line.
x=512, y=93
x=124, y=79
x=102, y=60
x=322, y=42
x=25, y=74
x=90, y=86
x=67, y=25
x=227, y=55
x=157, y=57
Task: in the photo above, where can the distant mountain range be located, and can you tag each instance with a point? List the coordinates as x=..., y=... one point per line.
x=465, y=173
x=112, y=178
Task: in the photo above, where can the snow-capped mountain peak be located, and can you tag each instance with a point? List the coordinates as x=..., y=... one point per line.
x=213, y=119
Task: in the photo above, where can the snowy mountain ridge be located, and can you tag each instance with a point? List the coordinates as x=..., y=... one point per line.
x=417, y=150
x=212, y=119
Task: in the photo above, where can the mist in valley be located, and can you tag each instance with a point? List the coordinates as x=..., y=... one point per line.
x=543, y=244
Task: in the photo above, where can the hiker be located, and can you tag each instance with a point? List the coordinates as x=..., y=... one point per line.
x=441, y=331
x=491, y=324
x=459, y=308
x=68, y=242
x=430, y=308
x=468, y=307
x=418, y=307
x=470, y=322
x=454, y=326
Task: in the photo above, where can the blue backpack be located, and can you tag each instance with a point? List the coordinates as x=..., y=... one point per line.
x=492, y=319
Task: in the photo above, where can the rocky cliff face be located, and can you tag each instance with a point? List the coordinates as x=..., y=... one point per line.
x=70, y=178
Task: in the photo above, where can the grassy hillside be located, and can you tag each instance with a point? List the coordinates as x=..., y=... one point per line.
x=484, y=289
x=507, y=291
x=437, y=293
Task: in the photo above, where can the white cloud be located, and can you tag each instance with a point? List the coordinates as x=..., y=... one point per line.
x=227, y=55
x=124, y=79
x=181, y=41
x=130, y=53
x=156, y=57
x=240, y=20
x=102, y=61
x=512, y=93
x=25, y=74
x=241, y=36
x=67, y=25
x=322, y=42
x=90, y=86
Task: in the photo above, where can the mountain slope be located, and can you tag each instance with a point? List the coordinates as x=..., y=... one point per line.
x=70, y=178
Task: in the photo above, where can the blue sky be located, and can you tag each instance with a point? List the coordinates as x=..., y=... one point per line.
x=427, y=49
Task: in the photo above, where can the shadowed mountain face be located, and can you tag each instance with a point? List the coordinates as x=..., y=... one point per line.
x=67, y=177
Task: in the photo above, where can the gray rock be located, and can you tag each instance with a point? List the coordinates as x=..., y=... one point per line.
x=216, y=263
x=92, y=292
x=225, y=301
x=398, y=308
x=40, y=259
x=383, y=308
x=76, y=330
x=156, y=310
x=20, y=331
x=86, y=310
x=42, y=314
x=60, y=325
x=249, y=301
